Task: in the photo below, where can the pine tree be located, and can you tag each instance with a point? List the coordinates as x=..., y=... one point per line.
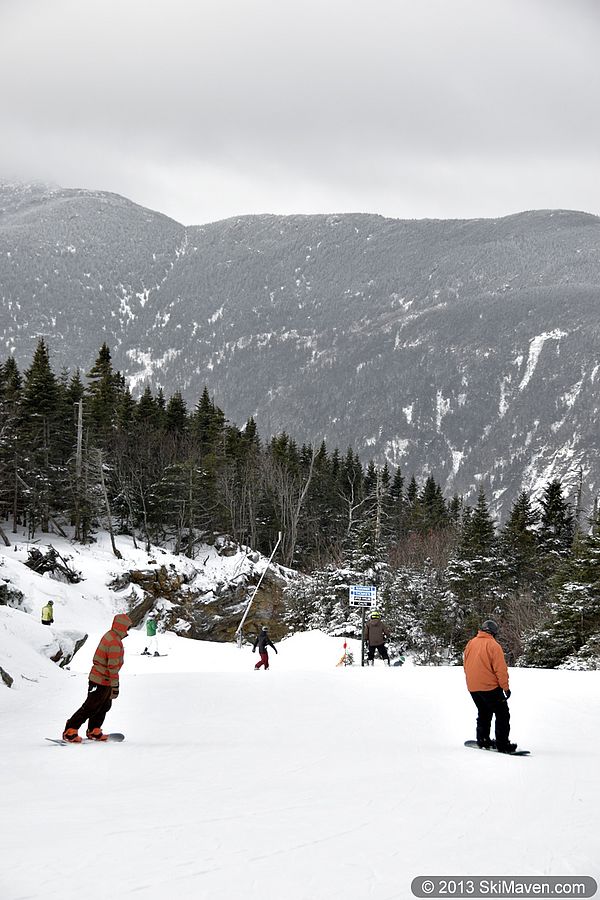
x=147, y=412
x=39, y=413
x=397, y=507
x=102, y=396
x=570, y=637
x=520, y=546
x=76, y=388
x=207, y=424
x=475, y=573
x=176, y=415
x=557, y=529
x=11, y=385
x=125, y=412
x=434, y=512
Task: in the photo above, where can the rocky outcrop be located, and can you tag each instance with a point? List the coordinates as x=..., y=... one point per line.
x=150, y=589
x=192, y=606
x=216, y=618
x=69, y=642
x=10, y=596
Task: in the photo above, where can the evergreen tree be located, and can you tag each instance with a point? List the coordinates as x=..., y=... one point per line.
x=520, y=547
x=475, y=574
x=147, y=412
x=42, y=475
x=557, y=528
x=176, y=415
x=76, y=388
x=570, y=637
x=125, y=411
x=207, y=424
x=11, y=385
x=435, y=514
x=397, y=506
x=103, y=392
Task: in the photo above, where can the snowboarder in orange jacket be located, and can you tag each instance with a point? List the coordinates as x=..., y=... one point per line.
x=103, y=685
x=487, y=682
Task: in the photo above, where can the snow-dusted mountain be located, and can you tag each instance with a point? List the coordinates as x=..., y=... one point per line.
x=466, y=348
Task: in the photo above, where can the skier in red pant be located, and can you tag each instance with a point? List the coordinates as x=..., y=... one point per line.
x=262, y=642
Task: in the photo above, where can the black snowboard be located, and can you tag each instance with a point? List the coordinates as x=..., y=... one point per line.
x=475, y=745
x=115, y=736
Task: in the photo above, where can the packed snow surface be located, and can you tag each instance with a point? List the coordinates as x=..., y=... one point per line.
x=311, y=781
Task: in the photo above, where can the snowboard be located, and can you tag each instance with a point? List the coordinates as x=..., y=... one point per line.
x=115, y=736
x=493, y=749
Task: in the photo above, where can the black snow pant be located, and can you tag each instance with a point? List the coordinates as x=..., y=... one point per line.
x=96, y=705
x=489, y=704
x=382, y=652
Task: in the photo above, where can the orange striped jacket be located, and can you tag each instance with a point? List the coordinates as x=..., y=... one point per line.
x=109, y=654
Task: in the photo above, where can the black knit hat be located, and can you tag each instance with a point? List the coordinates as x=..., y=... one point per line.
x=490, y=626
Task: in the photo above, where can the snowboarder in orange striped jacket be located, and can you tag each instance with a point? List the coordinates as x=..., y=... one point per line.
x=103, y=685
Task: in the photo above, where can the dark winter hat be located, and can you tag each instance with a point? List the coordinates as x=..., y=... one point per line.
x=50, y=602
x=490, y=627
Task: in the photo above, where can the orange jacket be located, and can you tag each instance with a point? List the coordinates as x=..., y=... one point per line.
x=484, y=664
x=109, y=654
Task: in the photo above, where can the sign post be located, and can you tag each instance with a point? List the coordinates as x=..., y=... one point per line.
x=365, y=596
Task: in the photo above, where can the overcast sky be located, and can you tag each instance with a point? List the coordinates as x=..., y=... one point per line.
x=205, y=109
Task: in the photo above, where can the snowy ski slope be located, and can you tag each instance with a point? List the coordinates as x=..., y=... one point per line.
x=307, y=782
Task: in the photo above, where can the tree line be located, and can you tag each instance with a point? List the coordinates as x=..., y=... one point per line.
x=81, y=451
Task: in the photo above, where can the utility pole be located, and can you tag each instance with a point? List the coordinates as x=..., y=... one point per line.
x=78, y=468
x=79, y=406
x=239, y=633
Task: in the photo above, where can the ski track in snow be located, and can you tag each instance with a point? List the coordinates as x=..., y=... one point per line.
x=307, y=782
x=339, y=783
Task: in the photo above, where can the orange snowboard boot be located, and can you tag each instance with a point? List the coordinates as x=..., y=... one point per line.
x=95, y=735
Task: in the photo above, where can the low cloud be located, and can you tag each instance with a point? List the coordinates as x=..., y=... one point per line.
x=205, y=111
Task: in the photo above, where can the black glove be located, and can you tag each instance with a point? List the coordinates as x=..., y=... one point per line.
x=507, y=694
x=254, y=649
x=274, y=649
x=114, y=693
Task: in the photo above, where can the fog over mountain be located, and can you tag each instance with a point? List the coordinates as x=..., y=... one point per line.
x=469, y=348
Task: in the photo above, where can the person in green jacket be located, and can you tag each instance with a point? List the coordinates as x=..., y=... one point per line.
x=153, y=639
x=48, y=613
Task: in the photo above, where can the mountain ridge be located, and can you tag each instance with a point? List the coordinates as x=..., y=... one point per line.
x=466, y=347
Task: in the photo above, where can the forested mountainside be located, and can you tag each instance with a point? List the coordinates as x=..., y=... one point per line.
x=78, y=455
x=468, y=348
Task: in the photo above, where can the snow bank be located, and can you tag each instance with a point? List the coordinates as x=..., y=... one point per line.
x=88, y=606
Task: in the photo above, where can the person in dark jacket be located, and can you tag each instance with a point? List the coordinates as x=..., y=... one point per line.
x=262, y=642
x=103, y=685
x=375, y=636
x=487, y=682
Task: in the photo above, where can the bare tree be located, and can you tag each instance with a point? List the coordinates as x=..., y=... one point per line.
x=289, y=490
x=100, y=457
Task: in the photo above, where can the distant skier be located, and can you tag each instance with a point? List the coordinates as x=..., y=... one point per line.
x=262, y=642
x=153, y=639
x=375, y=636
x=48, y=613
x=103, y=685
x=487, y=682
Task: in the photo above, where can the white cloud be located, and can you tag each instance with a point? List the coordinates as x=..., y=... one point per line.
x=210, y=110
